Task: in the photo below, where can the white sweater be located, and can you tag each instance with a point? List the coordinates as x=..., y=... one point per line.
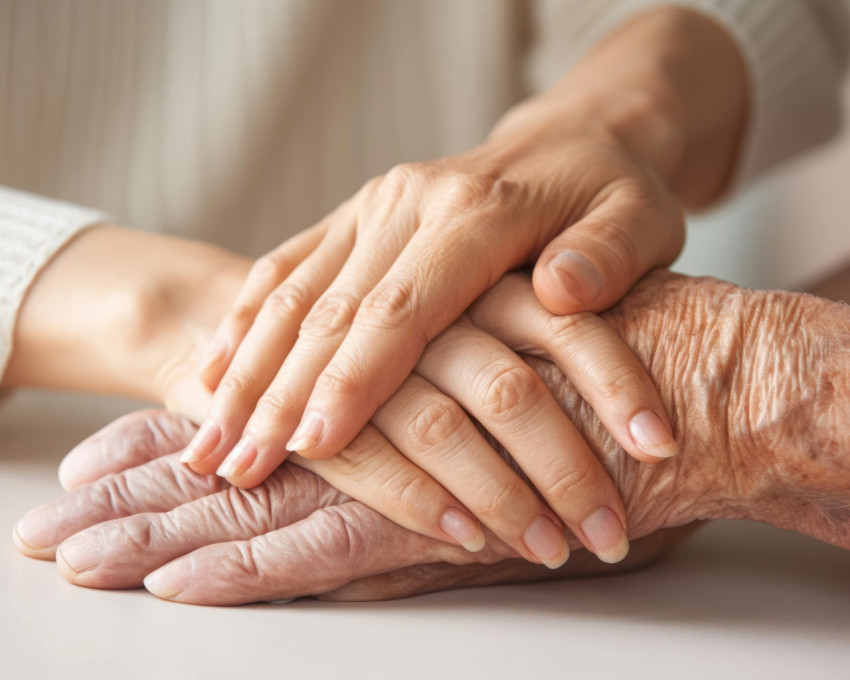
x=244, y=122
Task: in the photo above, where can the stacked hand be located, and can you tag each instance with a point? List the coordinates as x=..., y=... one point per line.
x=136, y=510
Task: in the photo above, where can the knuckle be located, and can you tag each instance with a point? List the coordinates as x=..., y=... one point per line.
x=466, y=191
x=627, y=380
x=331, y=314
x=337, y=540
x=342, y=377
x=565, y=326
x=237, y=382
x=509, y=390
x=437, y=421
x=620, y=243
x=560, y=485
x=501, y=500
x=245, y=561
x=274, y=407
x=243, y=313
x=408, y=491
x=291, y=299
x=354, y=461
x=138, y=534
x=403, y=177
x=268, y=269
x=113, y=495
x=390, y=305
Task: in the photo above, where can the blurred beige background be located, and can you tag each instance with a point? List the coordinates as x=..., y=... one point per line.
x=785, y=232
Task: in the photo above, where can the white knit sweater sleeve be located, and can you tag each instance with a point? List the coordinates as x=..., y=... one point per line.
x=796, y=52
x=32, y=229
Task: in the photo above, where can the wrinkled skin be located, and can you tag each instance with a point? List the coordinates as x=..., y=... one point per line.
x=756, y=385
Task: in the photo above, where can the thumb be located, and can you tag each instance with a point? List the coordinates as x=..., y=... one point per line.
x=593, y=264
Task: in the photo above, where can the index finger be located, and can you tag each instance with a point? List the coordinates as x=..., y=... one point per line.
x=433, y=281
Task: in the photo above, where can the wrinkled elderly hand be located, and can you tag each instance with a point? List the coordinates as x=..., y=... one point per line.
x=757, y=383
x=294, y=535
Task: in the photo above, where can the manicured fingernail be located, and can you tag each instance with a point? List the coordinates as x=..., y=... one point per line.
x=463, y=529
x=308, y=433
x=37, y=529
x=82, y=552
x=652, y=435
x=577, y=275
x=547, y=542
x=606, y=535
x=239, y=459
x=203, y=443
x=169, y=581
x=217, y=352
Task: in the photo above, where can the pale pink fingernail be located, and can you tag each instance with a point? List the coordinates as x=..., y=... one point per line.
x=169, y=581
x=308, y=433
x=239, y=459
x=547, y=542
x=652, y=436
x=463, y=529
x=606, y=535
x=37, y=529
x=82, y=552
x=203, y=443
x=217, y=352
x=578, y=276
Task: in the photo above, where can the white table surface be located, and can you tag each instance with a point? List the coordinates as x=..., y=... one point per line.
x=738, y=600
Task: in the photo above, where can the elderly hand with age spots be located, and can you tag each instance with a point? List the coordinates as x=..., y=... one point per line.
x=773, y=366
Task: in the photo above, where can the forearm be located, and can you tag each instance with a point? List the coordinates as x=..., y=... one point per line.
x=110, y=307
x=670, y=85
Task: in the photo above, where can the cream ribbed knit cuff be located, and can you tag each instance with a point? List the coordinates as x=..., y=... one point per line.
x=32, y=229
x=794, y=66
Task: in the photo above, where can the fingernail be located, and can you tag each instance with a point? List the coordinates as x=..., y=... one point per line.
x=308, y=432
x=577, y=275
x=606, y=535
x=239, y=459
x=38, y=527
x=463, y=529
x=652, y=435
x=82, y=552
x=169, y=581
x=547, y=542
x=217, y=352
x=203, y=443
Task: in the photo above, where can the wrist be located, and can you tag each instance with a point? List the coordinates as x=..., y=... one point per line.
x=114, y=306
x=797, y=402
x=669, y=87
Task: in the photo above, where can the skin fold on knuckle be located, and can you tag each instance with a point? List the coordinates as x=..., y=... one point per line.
x=291, y=300
x=508, y=392
x=435, y=420
x=330, y=316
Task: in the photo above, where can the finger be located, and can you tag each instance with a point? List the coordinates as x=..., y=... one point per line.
x=121, y=552
x=373, y=471
x=157, y=486
x=513, y=403
x=599, y=363
x=329, y=548
x=129, y=441
x=267, y=273
x=435, y=434
x=440, y=576
x=441, y=271
x=264, y=349
x=593, y=263
x=269, y=432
